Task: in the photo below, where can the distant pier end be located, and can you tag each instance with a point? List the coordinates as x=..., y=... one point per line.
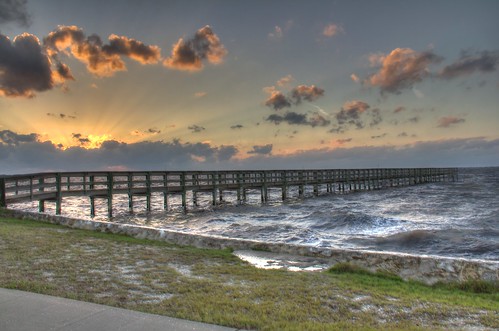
x=52, y=187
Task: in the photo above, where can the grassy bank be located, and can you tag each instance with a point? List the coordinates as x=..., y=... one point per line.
x=216, y=287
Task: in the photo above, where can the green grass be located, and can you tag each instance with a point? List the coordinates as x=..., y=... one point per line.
x=216, y=287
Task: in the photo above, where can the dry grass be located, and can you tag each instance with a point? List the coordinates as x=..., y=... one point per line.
x=216, y=287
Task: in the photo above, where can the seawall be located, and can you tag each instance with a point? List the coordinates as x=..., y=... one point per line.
x=427, y=269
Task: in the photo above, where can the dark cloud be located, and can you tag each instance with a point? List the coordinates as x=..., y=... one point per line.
x=468, y=63
x=277, y=100
x=448, y=121
x=8, y=137
x=24, y=67
x=350, y=115
x=309, y=93
x=81, y=139
x=196, y=128
x=375, y=117
x=189, y=54
x=400, y=69
x=237, y=126
x=293, y=118
x=403, y=134
x=379, y=136
x=356, y=114
x=153, y=131
x=30, y=155
x=34, y=156
x=344, y=141
x=61, y=116
x=414, y=119
x=101, y=59
x=225, y=152
x=261, y=150
x=14, y=11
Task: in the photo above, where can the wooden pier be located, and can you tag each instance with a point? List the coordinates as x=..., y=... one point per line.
x=44, y=187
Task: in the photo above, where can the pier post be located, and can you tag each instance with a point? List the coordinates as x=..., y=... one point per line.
x=300, y=186
x=110, y=184
x=3, y=202
x=184, y=193
x=284, y=185
x=214, y=191
x=58, y=194
x=130, y=194
x=316, y=185
x=165, y=192
x=148, y=192
x=92, y=198
x=92, y=206
x=41, y=188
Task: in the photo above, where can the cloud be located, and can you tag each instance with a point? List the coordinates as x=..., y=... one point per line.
x=153, y=131
x=278, y=100
x=285, y=81
x=24, y=67
x=352, y=115
x=276, y=33
x=400, y=69
x=468, y=63
x=379, y=136
x=344, y=141
x=101, y=59
x=293, y=118
x=309, y=93
x=331, y=30
x=237, y=126
x=261, y=150
x=414, y=119
x=399, y=109
x=14, y=11
x=189, y=54
x=448, y=121
x=82, y=140
x=25, y=154
x=30, y=155
x=11, y=138
x=196, y=128
x=61, y=116
x=355, y=78
x=200, y=94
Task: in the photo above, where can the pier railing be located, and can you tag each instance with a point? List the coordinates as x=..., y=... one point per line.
x=54, y=187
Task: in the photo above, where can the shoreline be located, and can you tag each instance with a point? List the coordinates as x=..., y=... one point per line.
x=423, y=268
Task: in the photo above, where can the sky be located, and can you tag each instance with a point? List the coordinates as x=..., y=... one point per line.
x=206, y=85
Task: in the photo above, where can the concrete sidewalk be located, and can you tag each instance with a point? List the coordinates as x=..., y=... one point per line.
x=30, y=311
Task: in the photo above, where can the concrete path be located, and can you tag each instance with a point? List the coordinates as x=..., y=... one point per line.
x=32, y=312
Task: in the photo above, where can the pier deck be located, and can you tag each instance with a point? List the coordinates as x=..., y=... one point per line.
x=54, y=187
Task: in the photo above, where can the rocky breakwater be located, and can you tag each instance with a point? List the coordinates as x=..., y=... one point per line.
x=427, y=269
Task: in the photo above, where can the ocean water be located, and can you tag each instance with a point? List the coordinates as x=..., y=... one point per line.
x=455, y=219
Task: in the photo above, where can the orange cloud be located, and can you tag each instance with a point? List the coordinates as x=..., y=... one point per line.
x=189, y=54
x=331, y=30
x=447, y=121
x=101, y=59
x=400, y=69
